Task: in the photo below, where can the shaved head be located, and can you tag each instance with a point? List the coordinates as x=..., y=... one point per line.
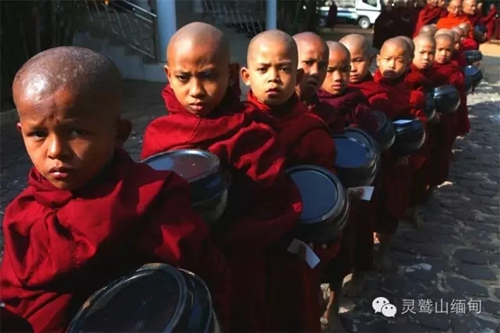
x=469, y=7
x=86, y=73
x=420, y=39
x=336, y=47
x=198, y=34
x=269, y=38
x=308, y=38
x=428, y=30
x=445, y=37
x=459, y=30
x=444, y=32
x=465, y=27
x=409, y=42
x=455, y=7
x=358, y=42
x=398, y=43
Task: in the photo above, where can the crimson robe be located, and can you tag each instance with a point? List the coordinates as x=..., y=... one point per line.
x=385, y=27
x=293, y=285
x=428, y=15
x=397, y=179
x=352, y=109
x=489, y=21
x=264, y=203
x=62, y=246
x=469, y=44
x=459, y=58
x=444, y=74
x=421, y=80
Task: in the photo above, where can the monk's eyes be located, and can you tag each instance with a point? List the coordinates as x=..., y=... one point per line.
x=78, y=132
x=182, y=78
x=309, y=62
x=37, y=135
x=208, y=76
x=261, y=70
x=357, y=60
x=285, y=69
x=322, y=65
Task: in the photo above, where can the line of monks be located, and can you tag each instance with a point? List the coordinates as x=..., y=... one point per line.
x=407, y=18
x=90, y=213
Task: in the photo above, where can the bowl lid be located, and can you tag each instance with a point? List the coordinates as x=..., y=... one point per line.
x=190, y=164
x=381, y=119
x=407, y=125
x=321, y=192
x=152, y=299
x=445, y=90
x=200, y=319
x=471, y=70
x=351, y=153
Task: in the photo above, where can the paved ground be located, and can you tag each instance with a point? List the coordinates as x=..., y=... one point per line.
x=454, y=258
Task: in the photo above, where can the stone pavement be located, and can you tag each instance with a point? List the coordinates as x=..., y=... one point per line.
x=454, y=258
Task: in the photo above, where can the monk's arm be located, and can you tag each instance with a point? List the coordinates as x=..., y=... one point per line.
x=317, y=148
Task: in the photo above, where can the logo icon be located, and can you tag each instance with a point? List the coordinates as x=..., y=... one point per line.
x=382, y=305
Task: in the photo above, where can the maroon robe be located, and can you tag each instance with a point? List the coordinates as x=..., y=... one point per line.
x=469, y=44
x=421, y=80
x=489, y=21
x=294, y=287
x=264, y=203
x=397, y=179
x=352, y=109
x=444, y=74
x=459, y=58
x=428, y=15
x=61, y=246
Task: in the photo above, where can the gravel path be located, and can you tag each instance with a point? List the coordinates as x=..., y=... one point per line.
x=454, y=258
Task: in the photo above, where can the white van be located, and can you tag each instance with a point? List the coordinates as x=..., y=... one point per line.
x=360, y=12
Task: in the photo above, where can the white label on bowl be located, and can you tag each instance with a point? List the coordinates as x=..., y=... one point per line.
x=311, y=257
x=367, y=191
x=402, y=121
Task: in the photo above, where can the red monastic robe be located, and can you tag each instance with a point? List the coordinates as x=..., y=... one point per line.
x=451, y=21
x=264, y=204
x=444, y=74
x=428, y=15
x=352, y=109
x=293, y=285
x=397, y=179
x=62, y=246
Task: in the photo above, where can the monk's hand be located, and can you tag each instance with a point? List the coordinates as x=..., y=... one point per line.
x=404, y=160
x=355, y=194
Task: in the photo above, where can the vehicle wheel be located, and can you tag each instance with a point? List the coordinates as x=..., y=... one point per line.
x=364, y=23
x=322, y=22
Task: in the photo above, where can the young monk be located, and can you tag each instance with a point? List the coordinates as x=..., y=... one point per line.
x=420, y=78
x=468, y=42
x=447, y=72
x=90, y=213
x=360, y=76
x=348, y=107
x=429, y=30
x=458, y=56
x=445, y=66
x=272, y=75
x=393, y=61
x=203, y=113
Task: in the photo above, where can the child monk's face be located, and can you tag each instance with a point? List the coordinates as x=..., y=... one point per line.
x=457, y=41
x=198, y=74
x=360, y=63
x=424, y=54
x=337, y=72
x=444, y=49
x=272, y=72
x=313, y=59
x=69, y=137
x=393, y=60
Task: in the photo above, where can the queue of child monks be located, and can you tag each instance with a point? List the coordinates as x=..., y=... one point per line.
x=90, y=213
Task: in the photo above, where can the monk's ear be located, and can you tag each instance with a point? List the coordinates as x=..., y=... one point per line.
x=167, y=72
x=245, y=76
x=300, y=76
x=18, y=126
x=378, y=60
x=124, y=128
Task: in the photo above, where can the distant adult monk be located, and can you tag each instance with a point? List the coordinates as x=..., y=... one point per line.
x=332, y=15
x=386, y=25
x=490, y=20
x=430, y=14
x=454, y=17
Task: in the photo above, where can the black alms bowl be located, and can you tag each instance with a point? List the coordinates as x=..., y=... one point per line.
x=325, y=204
x=473, y=56
x=355, y=163
x=410, y=136
x=430, y=107
x=385, y=132
x=209, y=183
x=155, y=298
x=447, y=99
x=473, y=77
